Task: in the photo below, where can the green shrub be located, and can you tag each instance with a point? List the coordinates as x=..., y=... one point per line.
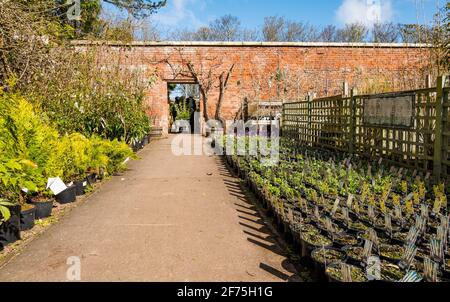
x=32, y=151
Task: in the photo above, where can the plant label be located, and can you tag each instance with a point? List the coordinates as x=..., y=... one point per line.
x=437, y=249
x=427, y=176
x=398, y=212
x=346, y=272
x=388, y=223
x=424, y=211
x=408, y=257
x=368, y=246
x=380, y=161
x=411, y=277
x=350, y=200
x=56, y=185
x=335, y=206
x=430, y=270
x=413, y=234
x=414, y=173
x=346, y=215
x=373, y=269
x=316, y=212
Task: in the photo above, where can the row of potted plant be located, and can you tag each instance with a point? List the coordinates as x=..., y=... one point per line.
x=342, y=210
x=33, y=155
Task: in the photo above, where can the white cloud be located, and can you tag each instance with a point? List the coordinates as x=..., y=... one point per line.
x=178, y=13
x=367, y=12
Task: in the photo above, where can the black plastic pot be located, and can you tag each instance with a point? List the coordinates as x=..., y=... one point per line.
x=67, y=196
x=27, y=219
x=146, y=141
x=10, y=230
x=91, y=178
x=319, y=268
x=80, y=187
x=43, y=208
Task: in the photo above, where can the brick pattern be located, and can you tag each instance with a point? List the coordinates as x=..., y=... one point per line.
x=301, y=69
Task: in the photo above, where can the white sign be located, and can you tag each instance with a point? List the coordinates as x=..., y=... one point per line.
x=389, y=110
x=56, y=185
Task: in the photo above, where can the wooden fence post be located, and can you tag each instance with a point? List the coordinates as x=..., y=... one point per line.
x=310, y=128
x=352, y=138
x=438, y=136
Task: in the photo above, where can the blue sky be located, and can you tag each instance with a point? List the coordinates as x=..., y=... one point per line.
x=194, y=13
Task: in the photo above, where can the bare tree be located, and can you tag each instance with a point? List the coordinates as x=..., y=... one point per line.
x=414, y=33
x=354, y=32
x=328, y=34
x=385, y=33
x=273, y=29
x=223, y=85
x=299, y=32
x=226, y=28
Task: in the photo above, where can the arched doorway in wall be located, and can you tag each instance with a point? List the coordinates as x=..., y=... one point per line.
x=184, y=107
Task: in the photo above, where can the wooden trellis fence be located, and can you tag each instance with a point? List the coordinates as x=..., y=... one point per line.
x=418, y=141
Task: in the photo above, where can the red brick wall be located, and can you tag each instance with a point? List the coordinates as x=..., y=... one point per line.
x=316, y=68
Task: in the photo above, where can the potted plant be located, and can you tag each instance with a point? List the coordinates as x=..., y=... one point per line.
x=43, y=203
x=16, y=177
x=334, y=273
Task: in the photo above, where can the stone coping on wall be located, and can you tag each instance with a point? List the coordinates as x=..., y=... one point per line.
x=247, y=44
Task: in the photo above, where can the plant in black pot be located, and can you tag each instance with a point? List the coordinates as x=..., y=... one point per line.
x=43, y=202
x=5, y=215
x=16, y=177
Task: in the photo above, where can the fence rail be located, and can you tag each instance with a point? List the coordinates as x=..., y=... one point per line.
x=338, y=123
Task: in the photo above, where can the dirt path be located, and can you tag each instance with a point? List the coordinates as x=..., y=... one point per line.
x=167, y=219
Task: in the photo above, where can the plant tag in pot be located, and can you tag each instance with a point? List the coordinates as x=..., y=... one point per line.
x=346, y=215
x=398, y=212
x=346, y=271
x=373, y=269
x=373, y=236
x=430, y=270
x=424, y=211
x=368, y=246
x=388, y=223
x=56, y=185
x=413, y=234
x=371, y=213
x=316, y=213
x=441, y=235
x=350, y=200
x=411, y=277
x=437, y=250
x=329, y=226
x=408, y=257
x=427, y=176
x=335, y=206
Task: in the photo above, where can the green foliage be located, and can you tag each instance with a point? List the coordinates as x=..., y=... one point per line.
x=182, y=111
x=82, y=97
x=138, y=8
x=5, y=214
x=33, y=151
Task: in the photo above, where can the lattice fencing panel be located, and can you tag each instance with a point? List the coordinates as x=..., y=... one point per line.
x=337, y=123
